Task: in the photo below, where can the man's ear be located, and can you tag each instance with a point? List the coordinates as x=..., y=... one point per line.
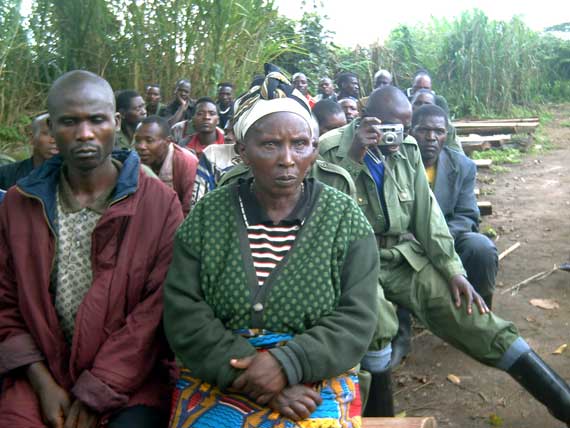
x=117, y=121
x=240, y=148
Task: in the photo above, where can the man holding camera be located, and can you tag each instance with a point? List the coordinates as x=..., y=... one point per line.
x=420, y=269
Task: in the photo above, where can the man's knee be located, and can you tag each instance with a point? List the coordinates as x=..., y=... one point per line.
x=480, y=259
x=478, y=247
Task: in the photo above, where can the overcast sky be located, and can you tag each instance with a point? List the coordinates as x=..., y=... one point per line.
x=365, y=21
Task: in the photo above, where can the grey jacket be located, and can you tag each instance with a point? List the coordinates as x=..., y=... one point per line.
x=455, y=191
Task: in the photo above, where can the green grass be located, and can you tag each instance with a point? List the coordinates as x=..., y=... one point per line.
x=495, y=421
x=565, y=124
x=500, y=156
x=16, y=150
x=13, y=138
x=489, y=232
x=521, y=111
x=541, y=142
x=545, y=117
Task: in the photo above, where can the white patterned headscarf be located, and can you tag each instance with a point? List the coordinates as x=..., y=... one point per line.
x=274, y=94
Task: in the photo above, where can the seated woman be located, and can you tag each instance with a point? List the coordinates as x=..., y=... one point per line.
x=270, y=301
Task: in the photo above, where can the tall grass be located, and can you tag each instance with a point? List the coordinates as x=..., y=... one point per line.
x=132, y=43
x=482, y=67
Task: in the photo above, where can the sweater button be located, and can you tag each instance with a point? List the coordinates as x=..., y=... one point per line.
x=258, y=307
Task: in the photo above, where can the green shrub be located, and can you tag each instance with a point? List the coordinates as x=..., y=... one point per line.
x=500, y=156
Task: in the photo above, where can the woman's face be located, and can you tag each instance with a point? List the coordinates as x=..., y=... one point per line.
x=279, y=150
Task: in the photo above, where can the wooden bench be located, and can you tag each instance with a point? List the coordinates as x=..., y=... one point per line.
x=399, y=423
x=485, y=207
x=483, y=163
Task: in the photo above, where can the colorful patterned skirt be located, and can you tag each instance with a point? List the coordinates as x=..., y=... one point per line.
x=198, y=404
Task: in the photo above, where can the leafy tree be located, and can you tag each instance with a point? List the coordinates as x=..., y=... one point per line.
x=17, y=68
x=563, y=27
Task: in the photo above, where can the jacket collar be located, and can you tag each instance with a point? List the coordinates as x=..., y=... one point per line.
x=347, y=135
x=446, y=172
x=42, y=182
x=445, y=162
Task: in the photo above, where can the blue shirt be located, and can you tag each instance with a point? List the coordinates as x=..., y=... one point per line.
x=2, y=193
x=376, y=169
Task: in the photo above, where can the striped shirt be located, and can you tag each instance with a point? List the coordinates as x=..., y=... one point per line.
x=269, y=243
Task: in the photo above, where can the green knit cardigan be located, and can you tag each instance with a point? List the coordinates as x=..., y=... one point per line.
x=323, y=292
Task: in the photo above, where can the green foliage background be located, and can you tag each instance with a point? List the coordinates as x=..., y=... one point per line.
x=483, y=67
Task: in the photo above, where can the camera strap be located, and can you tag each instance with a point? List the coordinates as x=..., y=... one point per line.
x=378, y=157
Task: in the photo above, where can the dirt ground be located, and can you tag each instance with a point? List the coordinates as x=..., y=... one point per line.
x=531, y=205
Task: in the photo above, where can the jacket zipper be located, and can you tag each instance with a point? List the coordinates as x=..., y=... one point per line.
x=47, y=221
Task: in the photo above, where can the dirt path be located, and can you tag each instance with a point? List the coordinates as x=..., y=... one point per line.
x=531, y=205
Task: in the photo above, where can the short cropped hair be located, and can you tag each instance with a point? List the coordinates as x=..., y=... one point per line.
x=183, y=82
x=160, y=121
x=429, y=110
x=205, y=100
x=325, y=109
x=421, y=72
x=381, y=72
x=422, y=92
x=343, y=77
x=124, y=98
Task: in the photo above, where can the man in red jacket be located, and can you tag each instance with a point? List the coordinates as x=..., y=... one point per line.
x=85, y=243
x=175, y=166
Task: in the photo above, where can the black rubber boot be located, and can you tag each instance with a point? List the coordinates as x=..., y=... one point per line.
x=402, y=343
x=380, y=399
x=544, y=384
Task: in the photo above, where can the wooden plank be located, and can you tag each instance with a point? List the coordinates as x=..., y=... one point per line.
x=476, y=138
x=483, y=163
x=485, y=207
x=469, y=148
x=509, y=251
x=399, y=423
x=498, y=121
x=491, y=128
x=476, y=142
x=514, y=119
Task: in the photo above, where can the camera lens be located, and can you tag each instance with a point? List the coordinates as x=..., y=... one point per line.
x=389, y=138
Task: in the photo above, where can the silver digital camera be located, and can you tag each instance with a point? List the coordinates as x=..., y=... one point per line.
x=391, y=134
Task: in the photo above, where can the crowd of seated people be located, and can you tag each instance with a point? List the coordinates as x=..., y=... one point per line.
x=247, y=262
